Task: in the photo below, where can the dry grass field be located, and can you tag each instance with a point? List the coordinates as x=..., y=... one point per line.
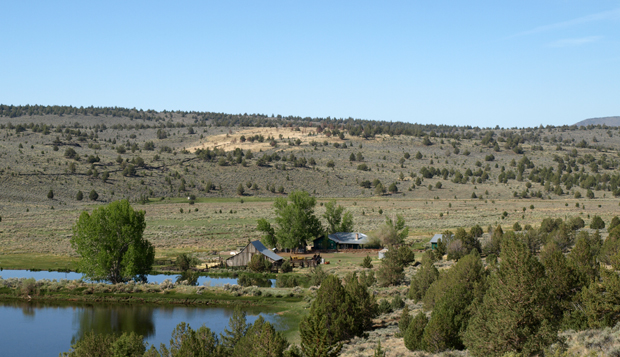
x=220, y=219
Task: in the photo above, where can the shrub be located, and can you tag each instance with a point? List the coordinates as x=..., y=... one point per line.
x=286, y=267
x=367, y=262
x=614, y=223
x=384, y=307
x=70, y=153
x=287, y=281
x=93, y=195
x=185, y=261
x=259, y=263
x=317, y=275
x=397, y=302
x=79, y=196
x=50, y=195
x=597, y=223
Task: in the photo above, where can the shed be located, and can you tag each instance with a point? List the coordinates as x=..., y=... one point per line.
x=435, y=240
x=342, y=240
x=382, y=253
x=245, y=255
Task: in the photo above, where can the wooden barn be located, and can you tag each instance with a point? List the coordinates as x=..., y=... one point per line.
x=245, y=255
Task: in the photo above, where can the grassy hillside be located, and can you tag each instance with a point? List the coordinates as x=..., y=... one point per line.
x=444, y=177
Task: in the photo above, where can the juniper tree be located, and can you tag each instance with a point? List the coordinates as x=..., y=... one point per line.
x=514, y=315
x=563, y=280
x=260, y=339
x=405, y=320
x=422, y=280
x=415, y=331
x=602, y=300
x=584, y=261
x=329, y=321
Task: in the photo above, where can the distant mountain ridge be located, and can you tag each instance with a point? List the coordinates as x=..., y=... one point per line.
x=609, y=121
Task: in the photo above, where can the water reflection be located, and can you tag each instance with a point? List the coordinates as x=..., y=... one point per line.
x=45, y=329
x=114, y=319
x=195, y=278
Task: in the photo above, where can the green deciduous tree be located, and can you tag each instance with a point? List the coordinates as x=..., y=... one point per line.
x=393, y=232
x=111, y=245
x=296, y=222
x=338, y=220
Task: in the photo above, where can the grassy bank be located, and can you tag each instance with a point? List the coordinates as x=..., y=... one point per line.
x=289, y=303
x=38, y=262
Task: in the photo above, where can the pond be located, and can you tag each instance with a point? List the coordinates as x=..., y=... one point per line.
x=158, y=278
x=46, y=329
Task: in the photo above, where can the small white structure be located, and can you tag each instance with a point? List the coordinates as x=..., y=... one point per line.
x=382, y=253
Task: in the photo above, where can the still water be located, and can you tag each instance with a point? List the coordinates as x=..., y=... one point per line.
x=44, y=329
x=51, y=275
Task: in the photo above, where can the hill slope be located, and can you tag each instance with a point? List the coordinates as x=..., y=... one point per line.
x=609, y=121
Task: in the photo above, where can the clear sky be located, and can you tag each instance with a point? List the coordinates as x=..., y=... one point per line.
x=484, y=63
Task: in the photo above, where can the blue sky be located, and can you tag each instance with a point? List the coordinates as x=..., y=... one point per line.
x=481, y=63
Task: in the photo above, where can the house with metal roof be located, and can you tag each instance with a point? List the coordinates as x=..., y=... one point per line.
x=255, y=247
x=342, y=240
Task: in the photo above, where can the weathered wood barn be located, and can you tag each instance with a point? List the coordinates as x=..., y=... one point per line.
x=245, y=255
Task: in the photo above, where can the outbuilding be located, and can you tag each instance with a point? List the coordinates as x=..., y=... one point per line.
x=436, y=239
x=245, y=255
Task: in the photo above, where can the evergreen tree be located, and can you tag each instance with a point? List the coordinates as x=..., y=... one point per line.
x=261, y=339
x=614, y=223
x=367, y=262
x=50, y=195
x=469, y=272
x=602, y=300
x=364, y=303
x=422, y=280
x=315, y=337
x=563, y=280
x=515, y=314
x=331, y=319
x=413, y=336
x=448, y=320
x=597, y=223
x=391, y=271
x=584, y=261
x=238, y=328
x=405, y=320
x=79, y=196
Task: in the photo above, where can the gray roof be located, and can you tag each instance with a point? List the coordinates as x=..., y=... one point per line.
x=349, y=238
x=436, y=238
x=266, y=251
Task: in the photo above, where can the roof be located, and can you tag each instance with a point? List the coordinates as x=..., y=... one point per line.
x=349, y=238
x=265, y=251
x=436, y=238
